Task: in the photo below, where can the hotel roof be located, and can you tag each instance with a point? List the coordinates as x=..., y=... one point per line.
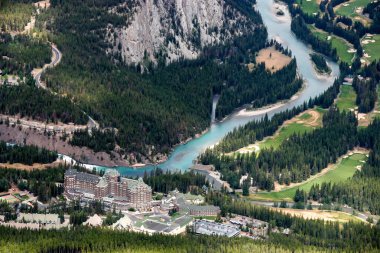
x=82, y=176
x=112, y=173
x=212, y=228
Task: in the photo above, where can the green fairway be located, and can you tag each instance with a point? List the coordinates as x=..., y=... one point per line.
x=309, y=7
x=347, y=98
x=305, y=116
x=345, y=169
x=341, y=45
x=320, y=110
x=349, y=8
x=304, y=123
x=372, y=48
x=285, y=133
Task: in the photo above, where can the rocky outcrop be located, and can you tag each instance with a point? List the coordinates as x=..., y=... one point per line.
x=167, y=30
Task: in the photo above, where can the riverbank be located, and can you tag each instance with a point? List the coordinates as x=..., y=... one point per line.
x=183, y=155
x=263, y=110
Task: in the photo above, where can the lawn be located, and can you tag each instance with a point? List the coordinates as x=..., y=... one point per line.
x=345, y=169
x=342, y=48
x=347, y=98
x=341, y=45
x=299, y=125
x=285, y=133
x=305, y=116
x=372, y=48
x=348, y=8
x=309, y=7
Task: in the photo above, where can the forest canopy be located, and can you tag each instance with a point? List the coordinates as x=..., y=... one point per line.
x=166, y=104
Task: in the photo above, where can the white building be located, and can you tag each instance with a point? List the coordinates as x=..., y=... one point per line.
x=93, y=221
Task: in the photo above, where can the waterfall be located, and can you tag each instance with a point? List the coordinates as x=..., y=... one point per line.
x=215, y=100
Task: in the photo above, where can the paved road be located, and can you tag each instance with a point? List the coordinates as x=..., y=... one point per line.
x=57, y=56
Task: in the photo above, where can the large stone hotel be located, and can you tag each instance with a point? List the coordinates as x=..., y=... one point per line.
x=111, y=189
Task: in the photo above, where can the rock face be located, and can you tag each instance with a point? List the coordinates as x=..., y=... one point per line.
x=167, y=30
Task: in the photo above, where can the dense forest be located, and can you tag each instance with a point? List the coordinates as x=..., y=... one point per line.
x=184, y=182
x=27, y=100
x=320, y=63
x=166, y=104
x=97, y=140
x=302, y=155
x=25, y=154
x=365, y=83
x=257, y=130
x=351, y=236
x=40, y=182
x=373, y=10
x=298, y=157
x=15, y=14
x=102, y=240
x=362, y=190
x=21, y=53
x=300, y=29
x=366, y=93
x=257, y=90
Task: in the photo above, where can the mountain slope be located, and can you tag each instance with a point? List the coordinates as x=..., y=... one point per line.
x=167, y=103
x=171, y=29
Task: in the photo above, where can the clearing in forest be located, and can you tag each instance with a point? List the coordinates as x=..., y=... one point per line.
x=273, y=59
x=303, y=123
x=334, y=216
x=347, y=98
x=354, y=10
x=342, y=170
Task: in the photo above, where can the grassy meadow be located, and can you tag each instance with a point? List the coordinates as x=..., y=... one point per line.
x=347, y=98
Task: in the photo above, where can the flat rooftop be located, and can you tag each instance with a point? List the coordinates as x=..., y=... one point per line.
x=212, y=228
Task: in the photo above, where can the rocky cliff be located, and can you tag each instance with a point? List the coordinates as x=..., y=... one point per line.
x=167, y=30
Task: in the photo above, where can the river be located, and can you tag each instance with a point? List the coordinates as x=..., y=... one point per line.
x=183, y=156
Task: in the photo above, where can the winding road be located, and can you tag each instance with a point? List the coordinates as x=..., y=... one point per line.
x=55, y=60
